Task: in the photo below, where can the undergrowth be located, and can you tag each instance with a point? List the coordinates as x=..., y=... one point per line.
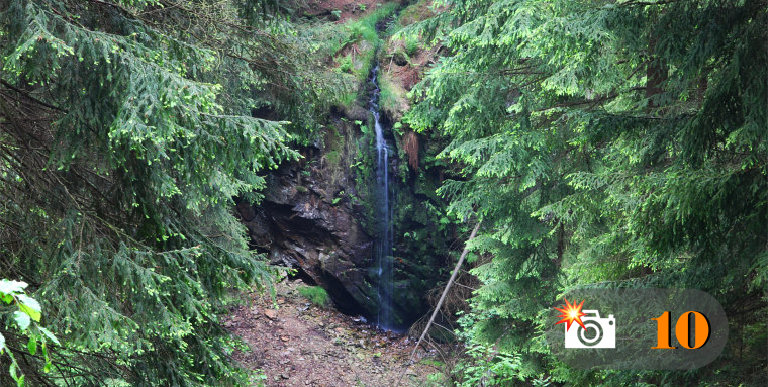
x=351, y=47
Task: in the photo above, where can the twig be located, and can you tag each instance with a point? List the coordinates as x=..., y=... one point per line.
x=26, y=95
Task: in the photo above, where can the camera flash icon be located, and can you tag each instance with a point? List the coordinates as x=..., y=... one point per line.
x=592, y=331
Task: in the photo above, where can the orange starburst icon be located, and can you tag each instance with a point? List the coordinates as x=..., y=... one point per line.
x=570, y=313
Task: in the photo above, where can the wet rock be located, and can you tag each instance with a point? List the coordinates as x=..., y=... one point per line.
x=303, y=223
x=316, y=218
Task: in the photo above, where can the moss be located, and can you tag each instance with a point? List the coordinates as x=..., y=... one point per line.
x=333, y=157
x=364, y=175
x=315, y=294
x=393, y=97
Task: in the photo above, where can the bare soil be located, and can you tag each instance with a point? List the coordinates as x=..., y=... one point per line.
x=297, y=343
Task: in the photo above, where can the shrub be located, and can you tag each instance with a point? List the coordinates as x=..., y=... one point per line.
x=411, y=45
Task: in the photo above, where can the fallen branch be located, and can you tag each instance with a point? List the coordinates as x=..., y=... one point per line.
x=442, y=299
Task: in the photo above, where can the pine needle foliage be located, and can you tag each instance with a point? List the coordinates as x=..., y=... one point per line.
x=126, y=129
x=606, y=143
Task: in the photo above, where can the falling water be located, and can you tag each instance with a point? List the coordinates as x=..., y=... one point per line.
x=383, y=244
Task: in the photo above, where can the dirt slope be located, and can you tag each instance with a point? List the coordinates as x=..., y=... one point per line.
x=299, y=344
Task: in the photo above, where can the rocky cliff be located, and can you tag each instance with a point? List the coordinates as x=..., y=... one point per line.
x=317, y=216
x=310, y=220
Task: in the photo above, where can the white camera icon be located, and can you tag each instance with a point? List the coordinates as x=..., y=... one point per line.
x=600, y=332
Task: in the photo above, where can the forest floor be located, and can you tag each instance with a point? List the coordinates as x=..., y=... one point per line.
x=296, y=343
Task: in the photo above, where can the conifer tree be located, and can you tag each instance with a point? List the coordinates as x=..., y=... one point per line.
x=126, y=129
x=608, y=143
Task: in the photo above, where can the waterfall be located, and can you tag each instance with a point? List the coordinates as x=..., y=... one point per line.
x=383, y=240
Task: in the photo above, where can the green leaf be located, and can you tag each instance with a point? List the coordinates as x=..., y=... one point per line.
x=49, y=334
x=32, y=345
x=35, y=315
x=12, y=287
x=22, y=319
x=29, y=306
x=29, y=301
x=44, y=350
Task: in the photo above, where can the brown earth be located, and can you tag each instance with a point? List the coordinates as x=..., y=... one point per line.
x=296, y=343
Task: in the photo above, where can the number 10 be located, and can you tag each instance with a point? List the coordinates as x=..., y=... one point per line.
x=701, y=330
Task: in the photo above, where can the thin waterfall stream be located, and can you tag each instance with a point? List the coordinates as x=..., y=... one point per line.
x=383, y=239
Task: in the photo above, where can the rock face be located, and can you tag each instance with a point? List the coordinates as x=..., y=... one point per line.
x=318, y=217
x=307, y=221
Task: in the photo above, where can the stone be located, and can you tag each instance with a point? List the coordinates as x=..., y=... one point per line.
x=246, y=210
x=270, y=313
x=302, y=229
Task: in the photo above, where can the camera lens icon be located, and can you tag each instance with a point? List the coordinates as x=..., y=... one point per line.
x=600, y=332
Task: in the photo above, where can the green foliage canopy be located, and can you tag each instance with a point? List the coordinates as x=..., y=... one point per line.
x=606, y=143
x=126, y=129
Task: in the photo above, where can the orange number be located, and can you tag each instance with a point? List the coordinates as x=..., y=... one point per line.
x=700, y=329
x=662, y=331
